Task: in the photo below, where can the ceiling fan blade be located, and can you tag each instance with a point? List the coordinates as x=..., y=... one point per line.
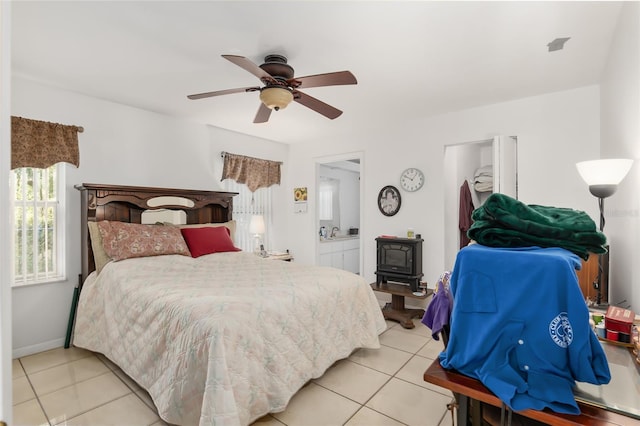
x=264, y=112
x=248, y=65
x=223, y=92
x=339, y=78
x=316, y=105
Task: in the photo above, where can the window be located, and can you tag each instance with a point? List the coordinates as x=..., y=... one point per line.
x=38, y=210
x=329, y=202
x=245, y=205
x=326, y=200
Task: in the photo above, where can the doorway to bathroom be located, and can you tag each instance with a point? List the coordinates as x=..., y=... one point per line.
x=339, y=211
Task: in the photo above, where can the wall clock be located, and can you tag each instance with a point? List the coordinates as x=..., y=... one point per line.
x=389, y=200
x=412, y=179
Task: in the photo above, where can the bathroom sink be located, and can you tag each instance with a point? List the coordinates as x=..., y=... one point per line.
x=342, y=237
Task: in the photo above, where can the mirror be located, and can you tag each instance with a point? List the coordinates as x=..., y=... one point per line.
x=176, y=217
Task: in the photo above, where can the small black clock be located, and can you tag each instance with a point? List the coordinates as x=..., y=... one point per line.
x=389, y=200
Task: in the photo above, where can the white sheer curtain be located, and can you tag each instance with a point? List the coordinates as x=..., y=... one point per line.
x=325, y=195
x=329, y=202
x=245, y=205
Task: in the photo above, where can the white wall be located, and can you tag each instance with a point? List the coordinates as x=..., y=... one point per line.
x=120, y=145
x=554, y=132
x=620, y=138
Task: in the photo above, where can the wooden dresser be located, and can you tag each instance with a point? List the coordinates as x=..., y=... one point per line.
x=589, y=273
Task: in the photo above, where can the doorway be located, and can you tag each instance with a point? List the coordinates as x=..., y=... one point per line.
x=462, y=162
x=338, y=215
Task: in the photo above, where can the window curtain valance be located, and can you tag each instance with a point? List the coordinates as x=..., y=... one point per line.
x=254, y=172
x=41, y=144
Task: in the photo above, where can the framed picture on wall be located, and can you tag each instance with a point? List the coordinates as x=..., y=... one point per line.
x=300, y=199
x=389, y=200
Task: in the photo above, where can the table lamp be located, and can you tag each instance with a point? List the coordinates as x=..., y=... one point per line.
x=257, y=228
x=603, y=177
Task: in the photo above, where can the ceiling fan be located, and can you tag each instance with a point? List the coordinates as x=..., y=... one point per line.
x=281, y=87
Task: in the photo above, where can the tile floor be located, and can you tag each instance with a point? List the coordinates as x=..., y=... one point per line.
x=372, y=387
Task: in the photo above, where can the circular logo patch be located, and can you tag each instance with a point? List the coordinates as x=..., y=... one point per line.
x=561, y=331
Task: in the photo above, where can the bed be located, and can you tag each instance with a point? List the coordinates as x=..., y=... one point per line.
x=223, y=338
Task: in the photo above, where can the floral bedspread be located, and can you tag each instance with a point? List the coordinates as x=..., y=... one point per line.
x=225, y=338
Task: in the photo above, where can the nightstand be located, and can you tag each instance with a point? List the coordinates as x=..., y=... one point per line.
x=286, y=257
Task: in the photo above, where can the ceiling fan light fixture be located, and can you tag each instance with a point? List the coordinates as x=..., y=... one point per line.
x=276, y=98
x=280, y=86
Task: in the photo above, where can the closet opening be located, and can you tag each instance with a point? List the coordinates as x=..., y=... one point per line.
x=486, y=166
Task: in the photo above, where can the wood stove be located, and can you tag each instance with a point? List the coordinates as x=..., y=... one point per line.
x=399, y=260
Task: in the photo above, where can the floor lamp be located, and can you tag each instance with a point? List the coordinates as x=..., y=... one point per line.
x=603, y=177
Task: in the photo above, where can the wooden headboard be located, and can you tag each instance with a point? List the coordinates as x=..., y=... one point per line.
x=127, y=203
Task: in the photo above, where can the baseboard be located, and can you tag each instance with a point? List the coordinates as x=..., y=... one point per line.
x=40, y=347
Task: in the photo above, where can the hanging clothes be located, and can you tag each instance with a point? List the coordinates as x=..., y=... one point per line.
x=436, y=317
x=464, y=213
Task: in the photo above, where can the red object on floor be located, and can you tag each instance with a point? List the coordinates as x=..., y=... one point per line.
x=619, y=319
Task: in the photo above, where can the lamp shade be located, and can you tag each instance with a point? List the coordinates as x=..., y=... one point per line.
x=256, y=226
x=276, y=97
x=603, y=176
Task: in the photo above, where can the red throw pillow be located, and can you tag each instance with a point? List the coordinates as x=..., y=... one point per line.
x=208, y=240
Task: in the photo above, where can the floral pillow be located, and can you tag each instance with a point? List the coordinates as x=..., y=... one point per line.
x=123, y=240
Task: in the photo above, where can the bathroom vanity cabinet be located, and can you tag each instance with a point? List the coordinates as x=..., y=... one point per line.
x=341, y=253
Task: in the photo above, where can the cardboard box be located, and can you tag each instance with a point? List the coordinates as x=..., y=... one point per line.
x=619, y=319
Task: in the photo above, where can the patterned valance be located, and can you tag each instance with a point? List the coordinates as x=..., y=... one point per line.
x=41, y=144
x=254, y=172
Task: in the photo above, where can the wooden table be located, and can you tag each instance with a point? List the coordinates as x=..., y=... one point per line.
x=286, y=257
x=468, y=388
x=395, y=310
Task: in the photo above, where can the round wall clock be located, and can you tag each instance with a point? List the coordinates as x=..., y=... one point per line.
x=412, y=179
x=389, y=200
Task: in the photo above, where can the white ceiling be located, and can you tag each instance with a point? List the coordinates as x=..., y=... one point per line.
x=412, y=59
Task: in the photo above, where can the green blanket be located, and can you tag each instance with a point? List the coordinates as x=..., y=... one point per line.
x=503, y=221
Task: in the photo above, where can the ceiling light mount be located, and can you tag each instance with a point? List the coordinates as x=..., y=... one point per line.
x=557, y=44
x=276, y=66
